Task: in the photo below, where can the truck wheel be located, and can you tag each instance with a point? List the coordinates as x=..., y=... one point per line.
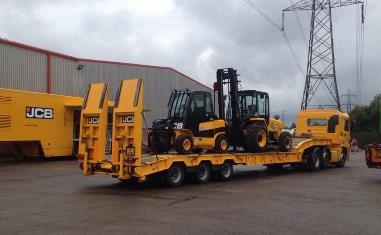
x=175, y=175
x=226, y=171
x=285, y=142
x=343, y=158
x=183, y=144
x=203, y=173
x=221, y=144
x=314, y=160
x=256, y=139
x=326, y=157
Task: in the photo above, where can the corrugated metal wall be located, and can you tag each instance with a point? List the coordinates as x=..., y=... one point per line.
x=27, y=70
x=22, y=69
x=66, y=78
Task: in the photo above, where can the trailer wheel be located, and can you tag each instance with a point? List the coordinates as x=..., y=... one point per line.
x=226, y=171
x=326, y=157
x=203, y=173
x=314, y=160
x=175, y=175
x=285, y=142
x=343, y=158
x=221, y=144
x=183, y=144
x=256, y=139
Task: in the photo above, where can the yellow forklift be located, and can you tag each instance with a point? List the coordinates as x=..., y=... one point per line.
x=247, y=114
x=191, y=125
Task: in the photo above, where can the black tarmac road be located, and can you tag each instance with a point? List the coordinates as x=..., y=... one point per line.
x=44, y=197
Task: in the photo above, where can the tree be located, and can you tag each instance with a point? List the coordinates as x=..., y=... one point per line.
x=367, y=122
x=367, y=117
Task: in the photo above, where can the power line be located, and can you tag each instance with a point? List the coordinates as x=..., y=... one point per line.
x=300, y=25
x=278, y=27
x=257, y=9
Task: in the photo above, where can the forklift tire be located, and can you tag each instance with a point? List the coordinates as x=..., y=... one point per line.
x=183, y=144
x=225, y=173
x=256, y=139
x=314, y=160
x=221, y=144
x=285, y=142
x=203, y=173
x=175, y=175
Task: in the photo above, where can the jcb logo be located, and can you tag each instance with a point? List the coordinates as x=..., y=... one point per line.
x=93, y=120
x=40, y=113
x=128, y=119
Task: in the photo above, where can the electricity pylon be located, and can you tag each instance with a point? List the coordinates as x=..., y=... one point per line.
x=321, y=71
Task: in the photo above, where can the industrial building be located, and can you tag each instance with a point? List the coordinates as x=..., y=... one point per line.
x=25, y=67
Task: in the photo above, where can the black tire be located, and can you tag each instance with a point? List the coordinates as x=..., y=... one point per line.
x=285, y=142
x=314, y=159
x=175, y=175
x=181, y=144
x=254, y=141
x=343, y=159
x=203, y=173
x=225, y=173
x=326, y=157
x=221, y=144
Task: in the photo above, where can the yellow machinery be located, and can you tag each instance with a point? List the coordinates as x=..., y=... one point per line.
x=127, y=136
x=94, y=123
x=247, y=114
x=37, y=124
x=373, y=155
x=313, y=148
x=191, y=125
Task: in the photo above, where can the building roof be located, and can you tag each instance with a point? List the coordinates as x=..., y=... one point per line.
x=65, y=56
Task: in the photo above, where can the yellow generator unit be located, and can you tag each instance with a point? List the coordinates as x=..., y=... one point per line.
x=38, y=124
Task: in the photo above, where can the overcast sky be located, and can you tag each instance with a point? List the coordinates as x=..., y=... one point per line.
x=197, y=37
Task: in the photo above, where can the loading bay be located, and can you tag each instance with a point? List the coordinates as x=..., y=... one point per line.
x=51, y=196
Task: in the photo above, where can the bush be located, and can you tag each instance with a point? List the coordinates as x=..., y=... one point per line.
x=365, y=138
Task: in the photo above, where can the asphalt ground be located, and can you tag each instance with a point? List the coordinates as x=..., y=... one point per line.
x=52, y=197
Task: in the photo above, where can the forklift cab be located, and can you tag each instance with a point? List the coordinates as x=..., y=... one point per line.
x=253, y=104
x=187, y=109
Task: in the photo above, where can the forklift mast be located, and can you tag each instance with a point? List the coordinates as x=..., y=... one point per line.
x=228, y=76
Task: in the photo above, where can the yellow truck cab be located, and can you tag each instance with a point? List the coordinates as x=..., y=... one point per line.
x=324, y=123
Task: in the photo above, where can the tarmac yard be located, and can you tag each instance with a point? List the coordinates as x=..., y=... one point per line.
x=44, y=197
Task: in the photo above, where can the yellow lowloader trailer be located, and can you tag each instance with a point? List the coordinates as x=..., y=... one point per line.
x=323, y=139
x=38, y=124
